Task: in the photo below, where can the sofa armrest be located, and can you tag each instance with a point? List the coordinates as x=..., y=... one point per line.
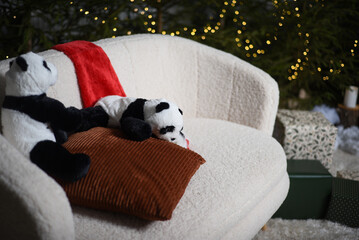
x=234, y=90
x=32, y=205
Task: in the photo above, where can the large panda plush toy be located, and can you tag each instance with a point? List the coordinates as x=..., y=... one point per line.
x=140, y=118
x=37, y=125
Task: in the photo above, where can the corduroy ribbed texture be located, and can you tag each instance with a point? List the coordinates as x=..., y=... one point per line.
x=146, y=179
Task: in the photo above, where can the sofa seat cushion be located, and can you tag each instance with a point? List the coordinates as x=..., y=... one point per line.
x=242, y=166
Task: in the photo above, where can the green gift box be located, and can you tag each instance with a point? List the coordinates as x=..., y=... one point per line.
x=309, y=192
x=344, y=202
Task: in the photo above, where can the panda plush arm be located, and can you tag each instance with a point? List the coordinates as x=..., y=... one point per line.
x=46, y=110
x=60, y=118
x=132, y=121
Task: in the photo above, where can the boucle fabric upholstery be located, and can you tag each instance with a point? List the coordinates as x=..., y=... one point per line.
x=244, y=179
x=248, y=168
x=32, y=205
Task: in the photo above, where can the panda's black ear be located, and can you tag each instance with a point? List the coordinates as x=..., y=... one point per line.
x=162, y=106
x=180, y=111
x=21, y=62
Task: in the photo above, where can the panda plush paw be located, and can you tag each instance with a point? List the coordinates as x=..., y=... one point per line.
x=136, y=129
x=63, y=165
x=93, y=117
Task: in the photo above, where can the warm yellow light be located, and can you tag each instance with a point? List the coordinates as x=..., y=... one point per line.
x=96, y=18
x=246, y=48
x=145, y=23
x=268, y=42
x=87, y=12
x=7, y=57
x=244, y=23
x=237, y=39
x=319, y=69
x=71, y=3
x=331, y=70
x=216, y=27
x=226, y=3
x=115, y=18
x=149, y=29
x=221, y=15
x=236, y=12
x=301, y=68
x=342, y=65
x=185, y=28
x=292, y=67
x=235, y=20
x=288, y=12
x=248, y=54
x=356, y=41
x=247, y=41
x=153, y=31
x=239, y=31
x=193, y=33
x=290, y=78
x=254, y=54
x=298, y=25
x=205, y=30
x=213, y=31
x=81, y=10
x=250, y=46
x=114, y=29
x=129, y=33
x=177, y=32
x=103, y=21
x=150, y=16
x=172, y=34
x=203, y=37
x=296, y=9
x=105, y=8
x=280, y=24
x=239, y=45
x=352, y=50
x=153, y=23
x=113, y=36
x=224, y=10
x=298, y=15
x=307, y=34
x=299, y=60
x=304, y=53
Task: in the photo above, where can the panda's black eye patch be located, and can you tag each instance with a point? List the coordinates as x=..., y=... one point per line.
x=167, y=129
x=180, y=111
x=21, y=62
x=162, y=106
x=45, y=65
x=172, y=139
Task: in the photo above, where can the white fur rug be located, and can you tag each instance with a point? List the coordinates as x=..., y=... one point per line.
x=279, y=229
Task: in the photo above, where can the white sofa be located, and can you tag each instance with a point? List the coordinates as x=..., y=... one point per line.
x=229, y=108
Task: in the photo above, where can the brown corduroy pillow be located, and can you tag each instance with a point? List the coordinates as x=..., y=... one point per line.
x=146, y=179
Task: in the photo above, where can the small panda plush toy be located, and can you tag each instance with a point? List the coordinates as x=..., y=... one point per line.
x=37, y=125
x=140, y=118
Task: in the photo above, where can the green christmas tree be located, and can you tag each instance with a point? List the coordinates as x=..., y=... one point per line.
x=305, y=45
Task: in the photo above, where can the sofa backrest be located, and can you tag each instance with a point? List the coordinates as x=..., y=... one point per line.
x=203, y=81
